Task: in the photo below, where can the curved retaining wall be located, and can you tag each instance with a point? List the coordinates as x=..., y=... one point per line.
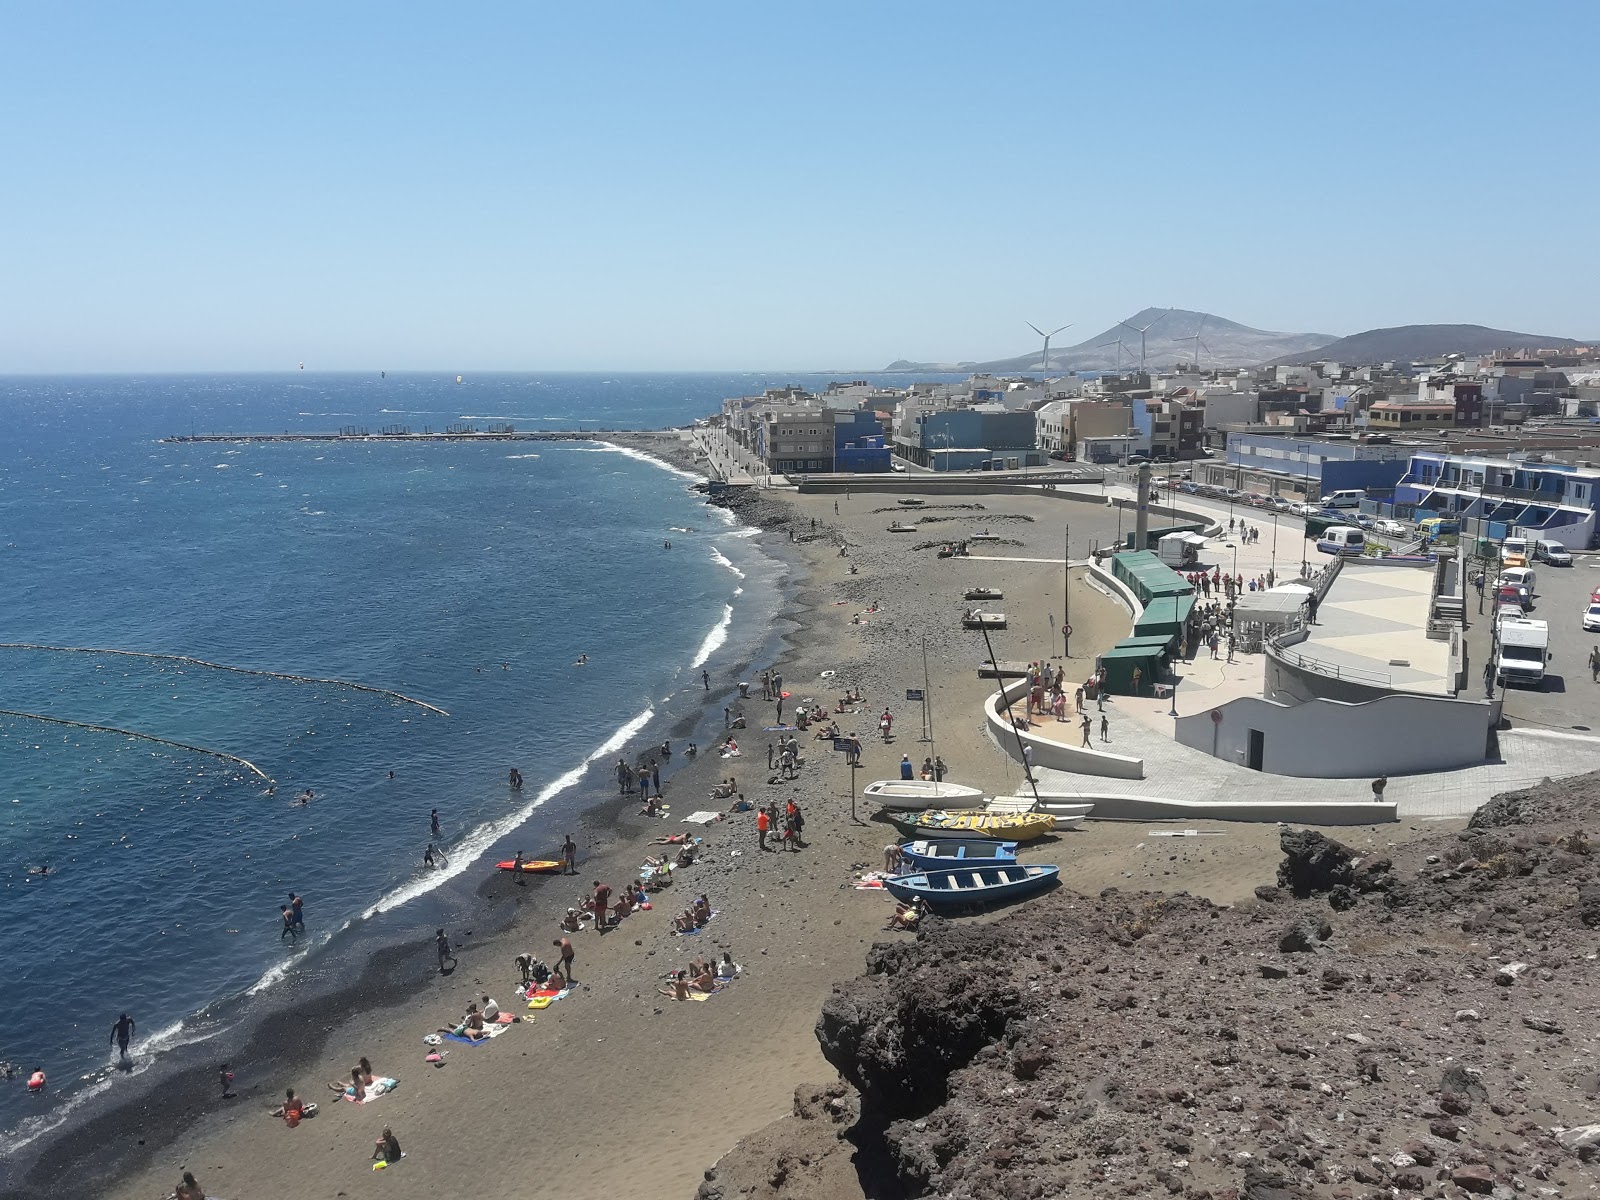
x=1046, y=753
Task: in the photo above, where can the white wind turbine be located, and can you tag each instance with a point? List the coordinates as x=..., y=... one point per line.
x=1120, y=348
x=1046, y=337
x=1141, y=333
x=1196, y=340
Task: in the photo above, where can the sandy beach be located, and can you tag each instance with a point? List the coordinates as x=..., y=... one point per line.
x=617, y=1089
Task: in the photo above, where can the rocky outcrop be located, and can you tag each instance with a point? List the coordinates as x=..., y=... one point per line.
x=1381, y=1026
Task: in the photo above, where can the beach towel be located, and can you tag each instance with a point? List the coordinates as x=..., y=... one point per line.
x=379, y=1089
x=701, y=818
x=490, y=1032
x=694, y=995
x=544, y=997
x=871, y=880
x=381, y=1164
x=691, y=932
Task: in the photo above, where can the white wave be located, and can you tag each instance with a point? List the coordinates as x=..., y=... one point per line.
x=465, y=853
x=31, y=1129
x=738, y=591
x=222, y=466
x=522, y=456
x=641, y=456
x=482, y=417
x=722, y=560
x=714, y=639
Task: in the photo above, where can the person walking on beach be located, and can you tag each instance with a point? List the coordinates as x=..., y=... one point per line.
x=939, y=769
x=569, y=856
x=1105, y=728
x=567, y=955
x=705, y=678
x=1378, y=784
x=602, y=905
x=122, y=1034
x=516, y=870
x=1138, y=676
x=763, y=823
x=441, y=945
x=655, y=777
x=1087, y=728
x=769, y=756
x=433, y=822
x=780, y=708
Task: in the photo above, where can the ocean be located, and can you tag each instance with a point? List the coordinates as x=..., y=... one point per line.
x=468, y=577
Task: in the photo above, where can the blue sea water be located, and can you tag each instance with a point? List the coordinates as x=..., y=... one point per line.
x=468, y=576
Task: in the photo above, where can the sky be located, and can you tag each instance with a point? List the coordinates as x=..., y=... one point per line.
x=707, y=186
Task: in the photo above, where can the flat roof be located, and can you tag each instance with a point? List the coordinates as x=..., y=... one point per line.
x=1372, y=627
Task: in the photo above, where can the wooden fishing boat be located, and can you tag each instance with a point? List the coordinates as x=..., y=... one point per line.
x=911, y=503
x=1002, y=827
x=901, y=527
x=932, y=854
x=923, y=793
x=976, y=619
x=983, y=593
x=962, y=886
x=984, y=536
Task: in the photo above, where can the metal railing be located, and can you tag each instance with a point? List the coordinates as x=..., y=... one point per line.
x=1328, y=670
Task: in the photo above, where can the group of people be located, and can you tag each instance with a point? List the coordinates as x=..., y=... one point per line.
x=1248, y=533
x=932, y=769
x=701, y=975
x=294, y=918
x=794, y=823
x=646, y=776
x=696, y=916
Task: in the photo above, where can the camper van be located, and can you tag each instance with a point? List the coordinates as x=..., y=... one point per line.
x=1342, y=540
x=1514, y=552
x=1344, y=498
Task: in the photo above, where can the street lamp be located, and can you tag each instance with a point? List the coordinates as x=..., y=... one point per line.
x=1305, y=459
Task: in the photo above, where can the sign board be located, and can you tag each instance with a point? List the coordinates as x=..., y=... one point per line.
x=1216, y=717
x=913, y=693
x=842, y=744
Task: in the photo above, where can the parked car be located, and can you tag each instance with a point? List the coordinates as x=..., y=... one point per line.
x=1393, y=528
x=1591, y=618
x=1552, y=553
x=896, y=466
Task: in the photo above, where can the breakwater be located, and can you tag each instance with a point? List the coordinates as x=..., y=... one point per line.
x=427, y=435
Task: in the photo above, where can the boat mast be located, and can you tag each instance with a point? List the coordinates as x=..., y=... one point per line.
x=1017, y=733
x=927, y=709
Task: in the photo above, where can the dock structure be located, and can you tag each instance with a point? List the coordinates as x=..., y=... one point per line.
x=427, y=435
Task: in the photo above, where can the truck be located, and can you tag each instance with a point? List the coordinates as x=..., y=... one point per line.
x=1514, y=552
x=1524, y=648
x=1178, y=551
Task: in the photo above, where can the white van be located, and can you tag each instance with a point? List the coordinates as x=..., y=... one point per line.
x=1342, y=540
x=1345, y=498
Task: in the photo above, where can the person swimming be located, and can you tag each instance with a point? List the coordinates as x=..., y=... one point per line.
x=583, y=660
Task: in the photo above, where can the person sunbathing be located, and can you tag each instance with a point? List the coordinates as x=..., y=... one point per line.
x=355, y=1089
x=701, y=910
x=293, y=1108
x=366, y=1071
x=471, y=1026
x=555, y=981
x=697, y=966
x=705, y=981
x=686, y=856
x=623, y=906
x=684, y=922
x=679, y=987
x=570, y=921
x=906, y=916
x=188, y=1189
x=387, y=1147
x=727, y=968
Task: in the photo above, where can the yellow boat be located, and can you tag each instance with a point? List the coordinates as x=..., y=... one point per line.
x=1010, y=827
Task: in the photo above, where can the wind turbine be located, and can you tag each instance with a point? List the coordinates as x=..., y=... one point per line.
x=1196, y=340
x=1120, y=348
x=1141, y=333
x=1046, y=337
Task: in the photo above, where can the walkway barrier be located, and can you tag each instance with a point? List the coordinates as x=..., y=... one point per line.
x=1124, y=806
x=1057, y=756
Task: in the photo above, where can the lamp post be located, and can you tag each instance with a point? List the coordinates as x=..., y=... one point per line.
x=1066, y=590
x=1305, y=459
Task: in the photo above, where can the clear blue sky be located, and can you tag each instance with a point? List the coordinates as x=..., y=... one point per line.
x=753, y=185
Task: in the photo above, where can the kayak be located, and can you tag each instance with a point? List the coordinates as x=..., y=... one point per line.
x=1010, y=827
x=532, y=865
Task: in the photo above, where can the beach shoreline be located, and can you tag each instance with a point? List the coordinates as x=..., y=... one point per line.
x=792, y=919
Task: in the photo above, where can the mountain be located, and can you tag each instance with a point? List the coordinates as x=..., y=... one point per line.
x=1168, y=340
x=1415, y=343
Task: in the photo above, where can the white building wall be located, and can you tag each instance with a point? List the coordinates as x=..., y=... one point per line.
x=1329, y=739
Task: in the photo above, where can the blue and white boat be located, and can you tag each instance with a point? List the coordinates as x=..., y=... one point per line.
x=932, y=854
x=961, y=887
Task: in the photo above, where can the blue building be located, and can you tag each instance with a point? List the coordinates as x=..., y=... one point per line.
x=1550, y=500
x=1310, y=466
x=858, y=442
x=975, y=439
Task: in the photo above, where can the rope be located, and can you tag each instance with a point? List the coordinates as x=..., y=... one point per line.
x=233, y=758
x=200, y=662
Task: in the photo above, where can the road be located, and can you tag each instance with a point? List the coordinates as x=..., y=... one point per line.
x=1567, y=701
